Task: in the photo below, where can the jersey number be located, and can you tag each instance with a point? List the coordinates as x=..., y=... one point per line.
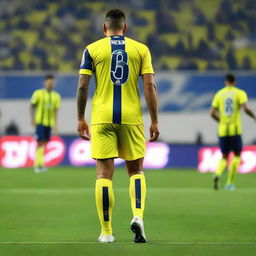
x=229, y=106
x=119, y=67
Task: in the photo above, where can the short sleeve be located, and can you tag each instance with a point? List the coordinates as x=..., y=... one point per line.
x=35, y=97
x=86, y=67
x=215, y=101
x=242, y=97
x=58, y=102
x=146, y=65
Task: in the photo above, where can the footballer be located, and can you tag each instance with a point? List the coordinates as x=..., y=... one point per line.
x=226, y=107
x=117, y=128
x=43, y=111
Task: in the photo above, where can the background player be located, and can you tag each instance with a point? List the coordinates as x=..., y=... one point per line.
x=226, y=111
x=44, y=105
x=116, y=125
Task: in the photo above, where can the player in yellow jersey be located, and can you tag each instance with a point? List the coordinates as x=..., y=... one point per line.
x=44, y=105
x=225, y=110
x=117, y=129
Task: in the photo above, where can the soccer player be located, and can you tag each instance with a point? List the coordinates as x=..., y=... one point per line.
x=43, y=110
x=226, y=106
x=116, y=125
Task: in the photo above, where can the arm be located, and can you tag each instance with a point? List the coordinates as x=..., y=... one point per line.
x=150, y=92
x=56, y=121
x=214, y=114
x=82, y=94
x=248, y=111
x=32, y=114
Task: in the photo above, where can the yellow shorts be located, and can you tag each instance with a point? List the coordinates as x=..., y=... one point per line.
x=117, y=140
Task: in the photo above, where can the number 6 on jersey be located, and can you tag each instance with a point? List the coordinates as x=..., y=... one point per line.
x=119, y=67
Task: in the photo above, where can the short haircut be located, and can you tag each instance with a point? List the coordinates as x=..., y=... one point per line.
x=230, y=78
x=49, y=76
x=115, y=19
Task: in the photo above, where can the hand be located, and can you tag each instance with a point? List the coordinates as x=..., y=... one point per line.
x=154, y=132
x=83, y=130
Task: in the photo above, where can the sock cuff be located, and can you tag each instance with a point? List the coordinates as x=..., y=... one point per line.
x=104, y=182
x=137, y=176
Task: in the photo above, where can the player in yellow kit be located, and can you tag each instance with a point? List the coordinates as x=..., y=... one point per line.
x=117, y=129
x=44, y=105
x=225, y=110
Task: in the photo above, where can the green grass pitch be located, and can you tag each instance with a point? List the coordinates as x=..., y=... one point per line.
x=54, y=213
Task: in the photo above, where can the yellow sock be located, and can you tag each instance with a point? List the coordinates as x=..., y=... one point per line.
x=137, y=194
x=104, y=202
x=232, y=170
x=221, y=167
x=39, y=160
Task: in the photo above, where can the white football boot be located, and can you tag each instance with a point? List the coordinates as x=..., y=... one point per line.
x=37, y=169
x=106, y=238
x=137, y=228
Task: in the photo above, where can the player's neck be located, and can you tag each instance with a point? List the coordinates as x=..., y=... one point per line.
x=114, y=33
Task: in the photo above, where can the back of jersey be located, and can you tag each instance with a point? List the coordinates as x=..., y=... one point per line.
x=228, y=101
x=117, y=63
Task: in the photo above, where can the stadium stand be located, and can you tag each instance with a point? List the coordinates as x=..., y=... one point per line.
x=182, y=34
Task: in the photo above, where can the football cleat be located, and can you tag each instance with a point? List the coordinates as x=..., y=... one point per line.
x=230, y=187
x=137, y=228
x=106, y=238
x=37, y=169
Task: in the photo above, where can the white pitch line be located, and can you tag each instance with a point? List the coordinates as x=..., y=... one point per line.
x=85, y=190
x=122, y=243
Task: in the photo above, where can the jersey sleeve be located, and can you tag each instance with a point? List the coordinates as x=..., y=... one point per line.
x=86, y=67
x=242, y=97
x=35, y=97
x=215, y=101
x=146, y=65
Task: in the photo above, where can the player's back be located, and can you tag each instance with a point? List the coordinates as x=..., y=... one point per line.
x=228, y=101
x=117, y=62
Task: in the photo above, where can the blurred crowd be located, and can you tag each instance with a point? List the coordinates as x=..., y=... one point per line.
x=181, y=34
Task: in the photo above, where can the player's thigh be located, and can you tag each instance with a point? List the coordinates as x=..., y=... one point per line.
x=224, y=143
x=237, y=144
x=131, y=142
x=103, y=141
x=40, y=133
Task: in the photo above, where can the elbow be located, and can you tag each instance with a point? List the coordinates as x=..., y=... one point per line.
x=212, y=113
x=150, y=86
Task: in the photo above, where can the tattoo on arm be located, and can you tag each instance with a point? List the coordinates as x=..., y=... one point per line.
x=82, y=94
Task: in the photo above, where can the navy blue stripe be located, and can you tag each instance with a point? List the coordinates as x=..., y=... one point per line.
x=117, y=99
x=105, y=200
x=138, y=193
x=117, y=104
x=86, y=60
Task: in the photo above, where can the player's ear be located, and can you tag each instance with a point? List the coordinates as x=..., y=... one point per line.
x=125, y=28
x=105, y=29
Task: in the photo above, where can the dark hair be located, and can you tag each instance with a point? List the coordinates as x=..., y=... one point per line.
x=230, y=78
x=115, y=19
x=49, y=76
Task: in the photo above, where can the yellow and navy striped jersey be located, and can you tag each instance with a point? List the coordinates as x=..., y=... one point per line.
x=117, y=62
x=46, y=103
x=228, y=101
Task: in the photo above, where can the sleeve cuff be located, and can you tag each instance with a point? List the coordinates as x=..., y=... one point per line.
x=85, y=72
